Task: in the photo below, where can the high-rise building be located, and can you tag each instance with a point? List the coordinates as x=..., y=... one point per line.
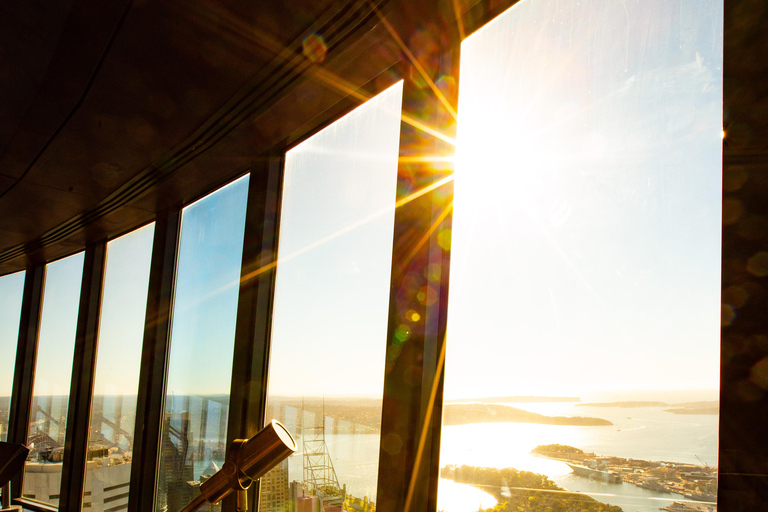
x=275, y=490
x=105, y=486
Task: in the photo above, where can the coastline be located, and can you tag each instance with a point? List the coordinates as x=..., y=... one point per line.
x=698, y=483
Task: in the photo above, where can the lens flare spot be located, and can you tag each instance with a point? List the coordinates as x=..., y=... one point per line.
x=727, y=314
x=402, y=333
x=392, y=444
x=412, y=281
x=759, y=373
x=758, y=264
x=427, y=295
x=747, y=391
x=447, y=85
x=734, y=178
x=314, y=48
x=444, y=239
x=435, y=271
x=393, y=352
x=735, y=296
x=732, y=211
x=412, y=316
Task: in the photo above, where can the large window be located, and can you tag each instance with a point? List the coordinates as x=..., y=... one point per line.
x=53, y=375
x=194, y=436
x=330, y=316
x=121, y=332
x=583, y=324
x=11, y=291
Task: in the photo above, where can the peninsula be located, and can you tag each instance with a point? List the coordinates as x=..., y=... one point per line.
x=462, y=414
x=697, y=483
x=524, y=491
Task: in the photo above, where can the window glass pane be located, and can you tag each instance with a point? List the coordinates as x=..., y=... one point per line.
x=11, y=292
x=585, y=272
x=53, y=375
x=331, y=302
x=121, y=334
x=194, y=435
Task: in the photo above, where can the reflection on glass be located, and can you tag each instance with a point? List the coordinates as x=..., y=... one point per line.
x=11, y=291
x=121, y=334
x=194, y=435
x=53, y=375
x=586, y=256
x=330, y=315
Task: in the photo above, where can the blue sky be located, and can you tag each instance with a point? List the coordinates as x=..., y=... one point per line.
x=205, y=299
x=58, y=323
x=123, y=308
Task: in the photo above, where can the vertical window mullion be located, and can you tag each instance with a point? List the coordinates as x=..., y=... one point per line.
x=247, y=403
x=26, y=354
x=412, y=405
x=81, y=390
x=154, y=361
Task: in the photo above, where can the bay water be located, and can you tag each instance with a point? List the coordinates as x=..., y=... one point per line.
x=648, y=433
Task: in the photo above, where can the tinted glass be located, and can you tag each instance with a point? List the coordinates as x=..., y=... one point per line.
x=331, y=302
x=121, y=333
x=585, y=271
x=194, y=435
x=53, y=375
x=11, y=291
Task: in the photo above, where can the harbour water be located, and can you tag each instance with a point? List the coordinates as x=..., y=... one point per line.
x=647, y=433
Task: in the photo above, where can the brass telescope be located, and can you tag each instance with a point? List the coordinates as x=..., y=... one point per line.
x=247, y=460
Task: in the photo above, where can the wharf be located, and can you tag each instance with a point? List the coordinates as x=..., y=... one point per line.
x=603, y=475
x=693, y=482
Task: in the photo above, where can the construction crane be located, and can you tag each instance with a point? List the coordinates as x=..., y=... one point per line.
x=705, y=464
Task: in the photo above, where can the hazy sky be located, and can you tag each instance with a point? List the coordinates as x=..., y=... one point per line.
x=123, y=308
x=330, y=318
x=58, y=325
x=586, y=243
x=205, y=299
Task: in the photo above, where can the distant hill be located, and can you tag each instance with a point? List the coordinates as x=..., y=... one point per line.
x=363, y=415
x=633, y=403
x=462, y=414
x=519, y=399
x=711, y=407
x=349, y=414
x=695, y=408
